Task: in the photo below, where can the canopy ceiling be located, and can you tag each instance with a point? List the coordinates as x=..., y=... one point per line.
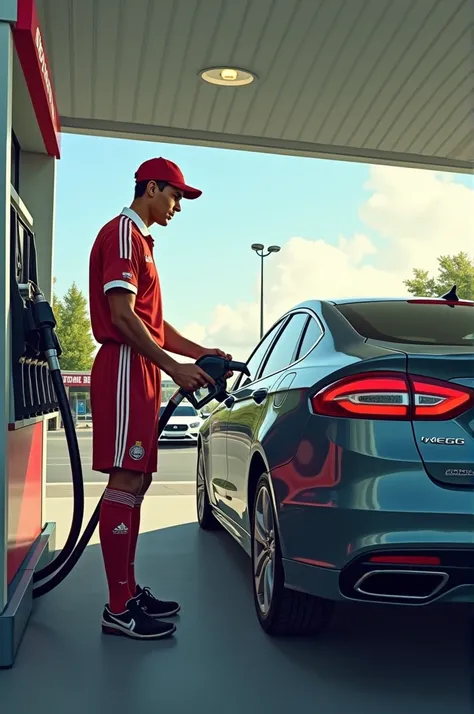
x=381, y=81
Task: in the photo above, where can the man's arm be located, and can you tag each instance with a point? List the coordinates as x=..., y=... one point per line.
x=134, y=331
x=121, y=258
x=136, y=334
x=175, y=342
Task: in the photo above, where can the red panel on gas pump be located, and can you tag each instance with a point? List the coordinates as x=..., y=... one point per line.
x=25, y=464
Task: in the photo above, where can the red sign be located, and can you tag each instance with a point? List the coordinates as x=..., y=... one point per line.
x=34, y=62
x=76, y=380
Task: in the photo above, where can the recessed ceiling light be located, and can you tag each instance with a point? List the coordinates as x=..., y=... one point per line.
x=227, y=76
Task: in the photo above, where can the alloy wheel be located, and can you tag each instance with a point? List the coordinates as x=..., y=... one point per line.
x=264, y=550
x=201, y=487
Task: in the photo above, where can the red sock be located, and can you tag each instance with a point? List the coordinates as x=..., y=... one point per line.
x=115, y=526
x=134, y=531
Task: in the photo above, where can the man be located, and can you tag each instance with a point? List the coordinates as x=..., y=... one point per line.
x=127, y=320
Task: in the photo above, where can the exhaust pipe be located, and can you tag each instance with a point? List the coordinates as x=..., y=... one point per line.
x=401, y=584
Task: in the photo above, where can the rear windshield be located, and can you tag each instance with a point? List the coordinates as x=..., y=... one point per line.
x=412, y=323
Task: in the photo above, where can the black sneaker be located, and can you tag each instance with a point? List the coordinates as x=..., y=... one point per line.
x=134, y=622
x=154, y=607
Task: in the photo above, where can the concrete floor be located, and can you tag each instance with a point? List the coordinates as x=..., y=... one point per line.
x=371, y=661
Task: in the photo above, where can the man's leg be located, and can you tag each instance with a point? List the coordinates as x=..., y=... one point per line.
x=150, y=604
x=135, y=530
x=121, y=442
x=116, y=530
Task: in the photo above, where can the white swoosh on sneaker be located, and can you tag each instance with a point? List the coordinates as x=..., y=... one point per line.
x=128, y=625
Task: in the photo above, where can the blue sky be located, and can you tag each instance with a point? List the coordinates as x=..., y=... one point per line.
x=204, y=256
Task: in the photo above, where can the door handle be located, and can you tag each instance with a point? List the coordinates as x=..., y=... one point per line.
x=259, y=395
x=229, y=402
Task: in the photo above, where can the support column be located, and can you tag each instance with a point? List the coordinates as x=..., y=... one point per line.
x=38, y=190
x=6, y=69
x=28, y=540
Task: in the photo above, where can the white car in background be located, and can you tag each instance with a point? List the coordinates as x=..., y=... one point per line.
x=184, y=425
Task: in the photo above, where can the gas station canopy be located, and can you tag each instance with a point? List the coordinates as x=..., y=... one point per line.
x=365, y=80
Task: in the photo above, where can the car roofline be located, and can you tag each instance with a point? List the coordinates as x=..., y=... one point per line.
x=351, y=300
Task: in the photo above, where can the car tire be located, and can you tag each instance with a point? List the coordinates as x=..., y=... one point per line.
x=206, y=518
x=280, y=611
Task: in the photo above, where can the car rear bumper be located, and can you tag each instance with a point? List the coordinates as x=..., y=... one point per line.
x=328, y=534
x=450, y=586
x=328, y=553
x=368, y=504
x=327, y=527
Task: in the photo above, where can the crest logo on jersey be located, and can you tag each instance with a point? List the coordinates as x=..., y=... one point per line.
x=137, y=451
x=127, y=276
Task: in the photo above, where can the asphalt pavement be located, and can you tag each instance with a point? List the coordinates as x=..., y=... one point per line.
x=176, y=467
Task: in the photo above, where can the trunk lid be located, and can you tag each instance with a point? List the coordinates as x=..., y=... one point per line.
x=437, y=337
x=446, y=446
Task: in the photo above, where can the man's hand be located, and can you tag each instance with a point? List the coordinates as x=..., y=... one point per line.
x=215, y=351
x=190, y=376
x=219, y=353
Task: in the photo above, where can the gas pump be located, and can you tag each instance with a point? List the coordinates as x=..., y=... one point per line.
x=31, y=399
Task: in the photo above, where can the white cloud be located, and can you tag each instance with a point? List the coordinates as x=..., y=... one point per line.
x=418, y=214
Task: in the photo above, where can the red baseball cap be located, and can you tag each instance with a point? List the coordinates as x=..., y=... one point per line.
x=163, y=170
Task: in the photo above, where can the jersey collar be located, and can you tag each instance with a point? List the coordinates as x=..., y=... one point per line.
x=137, y=220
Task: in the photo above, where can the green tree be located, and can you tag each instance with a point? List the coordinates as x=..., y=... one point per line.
x=452, y=270
x=73, y=330
x=57, y=307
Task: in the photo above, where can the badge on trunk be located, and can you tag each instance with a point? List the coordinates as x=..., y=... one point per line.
x=446, y=440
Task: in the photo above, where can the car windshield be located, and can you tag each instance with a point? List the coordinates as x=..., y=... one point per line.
x=412, y=322
x=181, y=410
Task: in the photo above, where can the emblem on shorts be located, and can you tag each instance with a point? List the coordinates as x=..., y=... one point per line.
x=128, y=276
x=137, y=451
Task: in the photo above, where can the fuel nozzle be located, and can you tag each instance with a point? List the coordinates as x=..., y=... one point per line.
x=237, y=367
x=45, y=323
x=217, y=367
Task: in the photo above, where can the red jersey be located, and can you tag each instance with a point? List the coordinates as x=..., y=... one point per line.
x=122, y=257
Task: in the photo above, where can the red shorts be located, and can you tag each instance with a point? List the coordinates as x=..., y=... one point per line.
x=125, y=405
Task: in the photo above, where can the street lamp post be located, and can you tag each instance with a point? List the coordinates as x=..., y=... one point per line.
x=259, y=248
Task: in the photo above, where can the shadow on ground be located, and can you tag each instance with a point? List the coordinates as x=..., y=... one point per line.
x=371, y=661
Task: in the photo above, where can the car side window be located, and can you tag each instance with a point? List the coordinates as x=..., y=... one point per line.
x=312, y=333
x=254, y=362
x=283, y=351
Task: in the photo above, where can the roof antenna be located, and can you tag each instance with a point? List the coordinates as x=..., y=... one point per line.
x=452, y=296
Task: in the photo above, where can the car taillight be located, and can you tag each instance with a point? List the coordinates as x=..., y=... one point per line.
x=406, y=559
x=435, y=399
x=381, y=395
x=392, y=395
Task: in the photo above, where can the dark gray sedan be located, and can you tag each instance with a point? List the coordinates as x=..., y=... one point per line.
x=344, y=465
